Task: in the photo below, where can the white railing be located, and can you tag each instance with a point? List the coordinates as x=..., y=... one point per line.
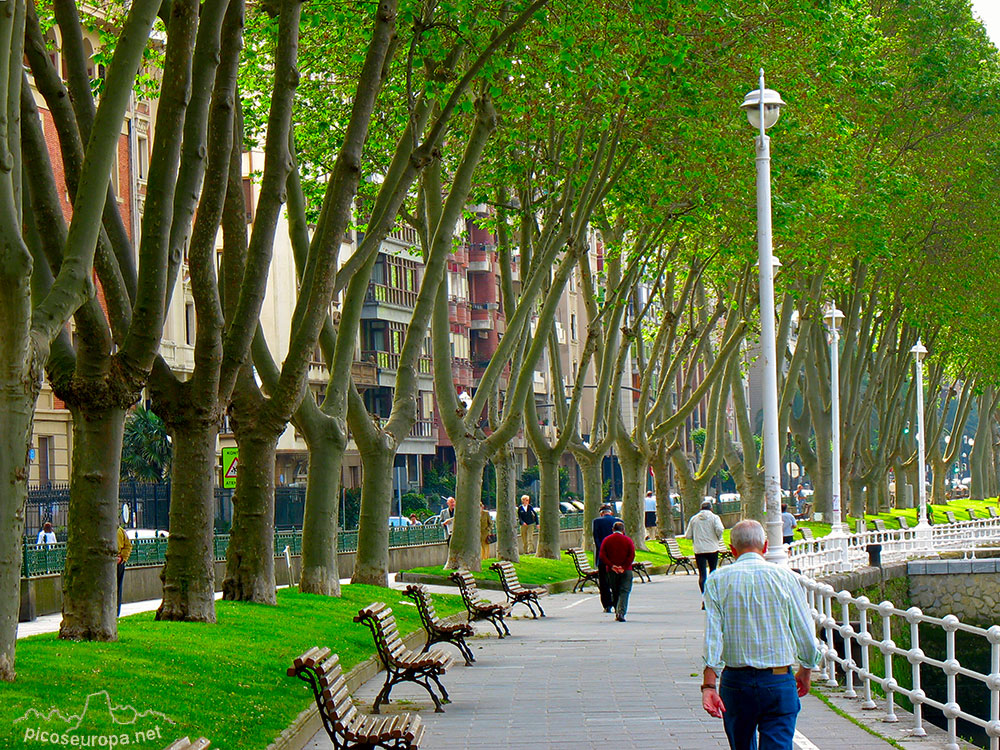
x=858, y=623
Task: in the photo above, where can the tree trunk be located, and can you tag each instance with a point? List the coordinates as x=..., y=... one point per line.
x=320, y=573
x=250, y=558
x=661, y=488
x=548, y=503
x=593, y=497
x=371, y=565
x=464, y=551
x=189, y=572
x=17, y=403
x=90, y=578
x=633, y=507
x=823, y=476
x=508, y=526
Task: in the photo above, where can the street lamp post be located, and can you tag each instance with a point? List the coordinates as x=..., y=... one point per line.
x=923, y=528
x=762, y=107
x=833, y=319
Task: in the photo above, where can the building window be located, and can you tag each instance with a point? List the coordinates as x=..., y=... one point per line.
x=44, y=460
x=142, y=158
x=190, y=324
x=572, y=327
x=248, y=198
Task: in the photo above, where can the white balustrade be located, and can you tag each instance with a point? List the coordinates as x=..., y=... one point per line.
x=876, y=623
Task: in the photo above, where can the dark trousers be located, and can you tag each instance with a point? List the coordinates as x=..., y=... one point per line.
x=121, y=581
x=604, y=584
x=621, y=587
x=788, y=539
x=707, y=562
x=758, y=701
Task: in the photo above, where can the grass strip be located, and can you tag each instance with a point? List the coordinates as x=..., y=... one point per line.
x=840, y=712
x=226, y=681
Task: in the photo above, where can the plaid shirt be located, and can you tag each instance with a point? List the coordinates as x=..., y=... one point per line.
x=757, y=616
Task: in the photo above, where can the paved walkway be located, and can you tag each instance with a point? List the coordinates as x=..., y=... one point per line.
x=578, y=679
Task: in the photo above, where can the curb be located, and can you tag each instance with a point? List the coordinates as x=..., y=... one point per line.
x=557, y=587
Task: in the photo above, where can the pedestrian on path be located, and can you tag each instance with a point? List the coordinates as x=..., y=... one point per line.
x=705, y=530
x=788, y=524
x=528, y=519
x=448, y=517
x=46, y=536
x=757, y=625
x=124, y=552
x=618, y=553
x=485, y=530
x=602, y=528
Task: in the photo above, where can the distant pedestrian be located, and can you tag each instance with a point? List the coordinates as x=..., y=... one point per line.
x=650, y=510
x=528, y=519
x=448, y=517
x=46, y=535
x=800, y=498
x=705, y=529
x=124, y=552
x=757, y=626
x=602, y=528
x=788, y=524
x=485, y=528
x=618, y=553
x=414, y=521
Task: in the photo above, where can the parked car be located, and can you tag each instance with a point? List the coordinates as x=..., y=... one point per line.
x=399, y=521
x=433, y=520
x=141, y=534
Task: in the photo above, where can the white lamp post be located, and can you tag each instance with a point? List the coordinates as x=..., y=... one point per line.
x=833, y=319
x=762, y=107
x=923, y=528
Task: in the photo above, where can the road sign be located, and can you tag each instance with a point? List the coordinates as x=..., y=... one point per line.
x=230, y=464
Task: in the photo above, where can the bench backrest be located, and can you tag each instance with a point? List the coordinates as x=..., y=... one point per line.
x=903, y=523
x=950, y=515
x=673, y=548
x=382, y=622
x=580, y=560
x=185, y=743
x=860, y=526
x=467, y=585
x=321, y=669
x=973, y=516
x=508, y=576
x=879, y=524
x=425, y=606
x=992, y=511
x=806, y=532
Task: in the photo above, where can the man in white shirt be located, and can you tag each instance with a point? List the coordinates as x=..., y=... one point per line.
x=705, y=530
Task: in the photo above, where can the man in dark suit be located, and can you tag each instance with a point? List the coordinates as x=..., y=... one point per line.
x=604, y=527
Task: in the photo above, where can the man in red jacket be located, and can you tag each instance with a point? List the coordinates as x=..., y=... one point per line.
x=618, y=554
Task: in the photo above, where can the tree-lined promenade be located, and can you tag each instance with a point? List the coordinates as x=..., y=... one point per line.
x=605, y=141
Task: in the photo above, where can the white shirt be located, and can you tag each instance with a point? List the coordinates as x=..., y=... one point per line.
x=46, y=537
x=705, y=530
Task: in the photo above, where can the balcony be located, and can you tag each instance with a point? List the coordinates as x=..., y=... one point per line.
x=405, y=234
x=380, y=294
x=364, y=374
x=481, y=257
x=389, y=361
x=483, y=318
x=423, y=429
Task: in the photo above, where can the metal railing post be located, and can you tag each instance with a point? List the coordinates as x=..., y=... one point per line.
x=951, y=708
x=848, y=635
x=887, y=645
x=865, y=640
x=913, y=615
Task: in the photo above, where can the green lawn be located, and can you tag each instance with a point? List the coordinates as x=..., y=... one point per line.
x=226, y=681
x=538, y=571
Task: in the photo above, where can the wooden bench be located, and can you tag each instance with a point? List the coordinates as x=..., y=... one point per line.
x=860, y=526
x=584, y=570
x=437, y=630
x=186, y=744
x=973, y=516
x=401, y=664
x=903, y=522
x=950, y=516
x=347, y=727
x=807, y=533
x=478, y=607
x=725, y=553
x=677, y=558
x=640, y=569
x=516, y=593
x=992, y=511
x=806, y=514
x=879, y=524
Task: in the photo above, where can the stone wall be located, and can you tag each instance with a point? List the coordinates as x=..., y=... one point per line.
x=968, y=589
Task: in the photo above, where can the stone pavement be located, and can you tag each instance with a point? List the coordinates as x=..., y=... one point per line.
x=578, y=679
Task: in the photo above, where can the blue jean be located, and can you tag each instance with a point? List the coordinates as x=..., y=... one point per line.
x=759, y=701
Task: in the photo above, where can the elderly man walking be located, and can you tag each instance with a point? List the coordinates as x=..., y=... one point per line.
x=704, y=529
x=757, y=626
x=602, y=528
